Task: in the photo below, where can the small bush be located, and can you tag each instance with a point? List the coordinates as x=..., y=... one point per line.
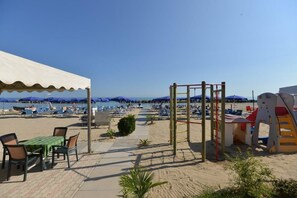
x=137, y=183
x=151, y=119
x=251, y=176
x=221, y=193
x=285, y=188
x=126, y=125
x=110, y=133
x=144, y=142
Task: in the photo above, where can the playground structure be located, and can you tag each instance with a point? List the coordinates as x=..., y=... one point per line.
x=277, y=111
x=217, y=114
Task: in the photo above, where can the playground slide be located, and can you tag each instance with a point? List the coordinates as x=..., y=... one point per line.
x=277, y=111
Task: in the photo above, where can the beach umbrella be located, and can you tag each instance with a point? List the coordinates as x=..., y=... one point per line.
x=74, y=100
x=84, y=100
x=236, y=98
x=31, y=99
x=121, y=99
x=49, y=99
x=199, y=97
x=56, y=100
x=105, y=99
x=161, y=99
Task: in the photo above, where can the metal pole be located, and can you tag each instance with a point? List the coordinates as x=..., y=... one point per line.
x=203, y=121
x=223, y=116
x=253, y=100
x=89, y=119
x=188, y=114
x=174, y=118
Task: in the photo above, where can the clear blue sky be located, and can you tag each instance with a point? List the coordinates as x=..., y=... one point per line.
x=140, y=47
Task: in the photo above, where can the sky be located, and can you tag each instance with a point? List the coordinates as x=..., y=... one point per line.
x=139, y=48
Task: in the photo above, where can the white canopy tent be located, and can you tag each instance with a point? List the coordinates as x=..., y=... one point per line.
x=20, y=74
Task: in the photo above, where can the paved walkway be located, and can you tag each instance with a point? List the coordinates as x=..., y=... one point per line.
x=116, y=160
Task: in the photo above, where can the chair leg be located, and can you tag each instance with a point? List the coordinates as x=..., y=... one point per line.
x=3, y=159
x=26, y=169
x=53, y=159
x=67, y=154
x=8, y=171
x=76, y=155
x=41, y=161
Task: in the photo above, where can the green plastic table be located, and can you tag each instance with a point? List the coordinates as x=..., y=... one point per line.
x=45, y=143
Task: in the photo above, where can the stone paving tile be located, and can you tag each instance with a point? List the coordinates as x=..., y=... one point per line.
x=88, y=173
x=104, y=179
x=57, y=182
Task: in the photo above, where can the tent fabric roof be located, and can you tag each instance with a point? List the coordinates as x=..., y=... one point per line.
x=20, y=74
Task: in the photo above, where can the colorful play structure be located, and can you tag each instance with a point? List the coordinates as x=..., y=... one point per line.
x=217, y=114
x=276, y=111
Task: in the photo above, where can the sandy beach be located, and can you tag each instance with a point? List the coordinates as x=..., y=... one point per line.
x=185, y=173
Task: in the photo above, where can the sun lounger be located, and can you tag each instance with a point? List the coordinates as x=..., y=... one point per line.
x=102, y=118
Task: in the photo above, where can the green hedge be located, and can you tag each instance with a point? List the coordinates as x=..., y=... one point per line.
x=126, y=125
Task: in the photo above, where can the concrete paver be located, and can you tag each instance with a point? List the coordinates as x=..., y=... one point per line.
x=94, y=175
x=104, y=179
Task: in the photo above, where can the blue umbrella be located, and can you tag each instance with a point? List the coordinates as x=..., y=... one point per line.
x=74, y=100
x=85, y=100
x=105, y=99
x=55, y=100
x=161, y=99
x=49, y=99
x=31, y=99
x=236, y=98
x=121, y=99
x=199, y=97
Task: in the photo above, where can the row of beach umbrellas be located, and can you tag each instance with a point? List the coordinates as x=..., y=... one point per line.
x=199, y=97
x=68, y=100
x=116, y=99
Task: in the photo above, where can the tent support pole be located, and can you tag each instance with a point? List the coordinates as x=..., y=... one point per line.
x=89, y=119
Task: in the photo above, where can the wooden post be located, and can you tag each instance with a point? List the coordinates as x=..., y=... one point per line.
x=253, y=99
x=223, y=117
x=188, y=114
x=174, y=119
x=203, y=121
x=171, y=114
x=89, y=120
x=211, y=114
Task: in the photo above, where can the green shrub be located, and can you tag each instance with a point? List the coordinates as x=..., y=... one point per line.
x=110, y=133
x=151, y=118
x=137, y=183
x=126, y=125
x=143, y=142
x=209, y=192
x=285, y=188
x=251, y=176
